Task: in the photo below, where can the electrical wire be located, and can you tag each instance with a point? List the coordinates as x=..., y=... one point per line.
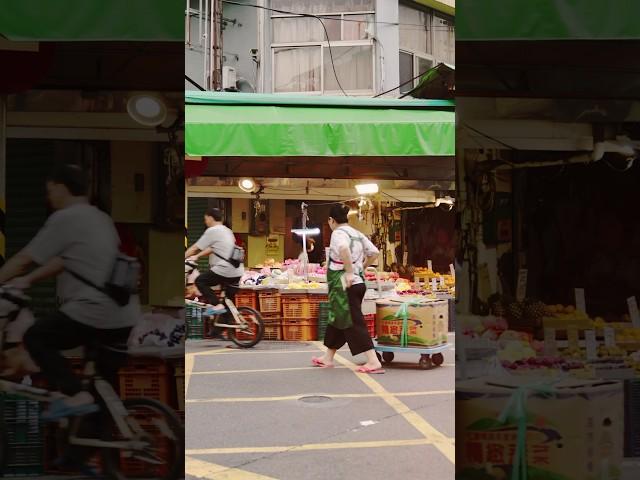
x=193, y=82
x=466, y=125
x=401, y=85
x=308, y=15
x=329, y=17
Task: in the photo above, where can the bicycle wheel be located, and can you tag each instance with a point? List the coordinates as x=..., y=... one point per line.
x=162, y=433
x=254, y=328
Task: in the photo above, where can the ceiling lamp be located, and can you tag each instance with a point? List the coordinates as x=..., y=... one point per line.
x=247, y=185
x=146, y=109
x=367, y=188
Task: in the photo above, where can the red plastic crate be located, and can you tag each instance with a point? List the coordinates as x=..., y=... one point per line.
x=269, y=302
x=146, y=378
x=178, y=372
x=299, y=329
x=132, y=467
x=370, y=320
x=245, y=299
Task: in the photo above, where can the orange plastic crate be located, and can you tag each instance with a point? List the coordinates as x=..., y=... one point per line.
x=245, y=299
x=296, y=306
x=145, y=378
x=314, y=304
x=272, y=326
x=300, y=329
x=269, y=302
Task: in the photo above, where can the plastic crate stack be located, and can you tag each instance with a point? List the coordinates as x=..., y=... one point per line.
x=298, y=323
x=270, y=306
x=23, y=437
x=150, y=378
x=323, y=318
x=195, y=322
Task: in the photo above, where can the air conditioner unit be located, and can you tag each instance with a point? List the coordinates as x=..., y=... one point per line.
x=228, y=78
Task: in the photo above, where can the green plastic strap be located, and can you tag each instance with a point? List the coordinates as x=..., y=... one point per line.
x=517, y=408
x=403, y=314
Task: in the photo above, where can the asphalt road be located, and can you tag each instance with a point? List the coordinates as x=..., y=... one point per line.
x=246, y=417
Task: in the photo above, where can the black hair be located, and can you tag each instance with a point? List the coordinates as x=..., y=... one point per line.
x=72, y=176
x=214, y=213
x=340, y=213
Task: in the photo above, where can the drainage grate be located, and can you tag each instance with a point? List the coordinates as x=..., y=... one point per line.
x=315, y=399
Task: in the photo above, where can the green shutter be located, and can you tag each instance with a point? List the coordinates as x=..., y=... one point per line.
x=28, y=163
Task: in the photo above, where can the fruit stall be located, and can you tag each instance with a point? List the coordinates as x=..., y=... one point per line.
x=295, y=309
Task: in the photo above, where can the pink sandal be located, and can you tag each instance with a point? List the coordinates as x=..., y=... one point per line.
x=317, y=362
x=364, y=369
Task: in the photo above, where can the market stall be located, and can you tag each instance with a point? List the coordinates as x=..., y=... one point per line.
x=389, y=160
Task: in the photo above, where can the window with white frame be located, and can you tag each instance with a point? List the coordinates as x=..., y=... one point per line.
x=427, y=38
x=303, y=59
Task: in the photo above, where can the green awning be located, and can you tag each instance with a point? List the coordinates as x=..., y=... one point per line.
x=505, y=20
x=252, y=125
x=92, y=20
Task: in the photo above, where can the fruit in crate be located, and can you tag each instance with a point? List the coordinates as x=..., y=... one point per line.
x=515, y=350
x=614, y=351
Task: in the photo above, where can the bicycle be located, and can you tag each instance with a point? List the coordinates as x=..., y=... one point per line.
x=247, y=326
x=126, y=428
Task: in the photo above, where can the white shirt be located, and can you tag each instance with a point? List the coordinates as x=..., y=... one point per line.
x=222, y=241
x=87, y=240
x=361, y=248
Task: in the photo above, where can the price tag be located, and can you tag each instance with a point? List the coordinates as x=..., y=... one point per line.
x=592, y=344
x=452, y=270
x=581, y=305
x=434, y=285
x=550, y=347
x=429, y=265
x=609, y=337
x=442, y=284
x=633, y=311
x=522, y=284
x=573, y=337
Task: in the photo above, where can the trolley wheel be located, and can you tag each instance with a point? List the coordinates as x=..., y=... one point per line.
x=425, y=362
x=437, y=359
x=379, y=357
x=388, y=357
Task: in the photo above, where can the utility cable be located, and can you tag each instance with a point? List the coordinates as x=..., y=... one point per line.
x=328, y=17
x=308, y=15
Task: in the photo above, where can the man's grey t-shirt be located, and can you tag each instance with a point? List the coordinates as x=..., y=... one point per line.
x=87, y=241
x=222, y=241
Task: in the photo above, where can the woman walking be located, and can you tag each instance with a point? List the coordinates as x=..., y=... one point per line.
x=350, y=254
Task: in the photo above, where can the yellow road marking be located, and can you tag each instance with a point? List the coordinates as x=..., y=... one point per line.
x=259, y=370
x=238, y=351
x=441, y=442
x=211, y=351
x=212, y=471
x=309, y=447
x=332, y=395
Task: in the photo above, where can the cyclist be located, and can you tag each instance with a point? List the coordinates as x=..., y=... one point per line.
x=78, y=241
x=218, y=241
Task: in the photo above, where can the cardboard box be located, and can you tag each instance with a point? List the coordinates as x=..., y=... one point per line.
x=576, y=434
x=427, y=324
